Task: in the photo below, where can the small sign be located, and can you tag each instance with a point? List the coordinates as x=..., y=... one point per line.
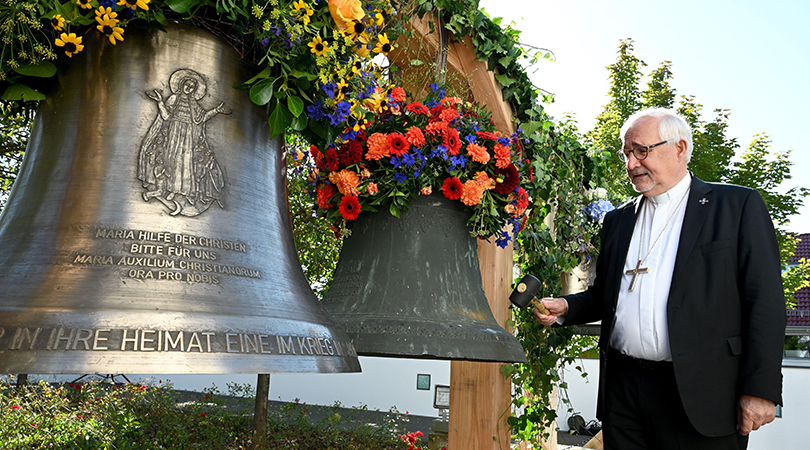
x=423, y=382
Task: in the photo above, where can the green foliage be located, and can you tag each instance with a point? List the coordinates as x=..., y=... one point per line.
x=15, y=124
x=134, y=416
x=713, y=149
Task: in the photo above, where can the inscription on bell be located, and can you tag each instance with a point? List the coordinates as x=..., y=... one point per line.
x=185, y=341
x=176, y=163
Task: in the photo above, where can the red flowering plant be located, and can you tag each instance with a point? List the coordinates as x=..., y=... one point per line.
x=398, y=150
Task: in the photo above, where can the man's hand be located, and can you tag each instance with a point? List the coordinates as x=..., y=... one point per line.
x=557, y=307
x=752, y=413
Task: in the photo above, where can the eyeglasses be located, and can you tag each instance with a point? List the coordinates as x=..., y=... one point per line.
x=639, y=151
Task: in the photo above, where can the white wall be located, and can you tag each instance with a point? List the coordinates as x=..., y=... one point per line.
x=785, y=433
x=383, y=384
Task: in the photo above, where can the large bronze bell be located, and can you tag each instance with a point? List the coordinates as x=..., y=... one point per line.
x=411, y=288
x=148, y=231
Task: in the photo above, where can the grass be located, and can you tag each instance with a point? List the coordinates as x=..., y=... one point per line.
x=135, y=416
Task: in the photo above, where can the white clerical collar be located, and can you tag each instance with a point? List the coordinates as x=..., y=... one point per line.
x=676, y=192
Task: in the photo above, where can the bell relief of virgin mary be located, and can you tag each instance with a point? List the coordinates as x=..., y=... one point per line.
x=176, y=163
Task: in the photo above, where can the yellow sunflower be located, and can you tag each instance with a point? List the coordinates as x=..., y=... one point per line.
x=85, y=4
x=303, y=11
x=58, y=22
x=383, y=45
x=356, y=29
x=361, y=49
x=135, y=4
x=378, y=19
x=357, y=65
x=71, y=42
x=342, y=90
x=107, y=25
x=318, y=46
x=101, y=11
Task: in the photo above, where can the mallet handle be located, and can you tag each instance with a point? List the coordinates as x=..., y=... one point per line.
x=539, y=305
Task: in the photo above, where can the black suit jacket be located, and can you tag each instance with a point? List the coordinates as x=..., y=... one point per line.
x=726, y=308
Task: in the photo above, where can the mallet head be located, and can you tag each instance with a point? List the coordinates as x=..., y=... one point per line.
x=524, y=293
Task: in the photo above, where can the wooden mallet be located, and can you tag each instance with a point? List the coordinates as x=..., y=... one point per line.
x=524, y=294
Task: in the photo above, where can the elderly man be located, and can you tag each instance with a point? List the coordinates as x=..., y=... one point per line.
x=689, y=292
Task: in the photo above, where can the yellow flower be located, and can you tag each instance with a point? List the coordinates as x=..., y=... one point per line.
x=107, y=25
x=356, y=65
x=362, y=49
x=318, y=46
x=85, y=4
x=57, y=22
x=101, y=11
x=384, y=45
x=303, y=11
x=345, y=11
x=378, y=19
x=71, y=43
x=342, y=90
x=135, y=4
x=356, y=29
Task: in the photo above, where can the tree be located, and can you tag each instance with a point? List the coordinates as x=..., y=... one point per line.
x=712, y=153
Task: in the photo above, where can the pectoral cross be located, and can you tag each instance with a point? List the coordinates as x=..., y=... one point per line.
x=636, y=272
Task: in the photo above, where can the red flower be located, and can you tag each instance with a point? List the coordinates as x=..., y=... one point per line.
x=418, y=108
x=398, y=94
x=15, y=407
x=452, y=188
x=415, y=137
x=435, y=113
x=332, y=159
x=452, y=141
x=487, y=135
x=350, y=153
x=318, y=157
x=325, y=194
x=449, y=114
x=508, y=179
x=349, y=207
x=522, y=199
x=397, y=144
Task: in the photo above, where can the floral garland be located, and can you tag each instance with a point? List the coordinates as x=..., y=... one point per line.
x=398, y=150
x=300, y=46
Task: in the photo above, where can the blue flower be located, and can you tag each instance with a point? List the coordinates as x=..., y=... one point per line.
x=458, y=161
x=470, y=138
x=396, y=161
x=344, y=107
x=504, y=141
x=265, y=42
x=330, y=89
x=108, y=4
x=598, y=209
x=276, y=31
x=503, y=240
x=400, y=177
x=315, y=111
x=408, y=159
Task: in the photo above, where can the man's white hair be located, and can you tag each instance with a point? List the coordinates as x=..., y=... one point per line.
x=672, y=126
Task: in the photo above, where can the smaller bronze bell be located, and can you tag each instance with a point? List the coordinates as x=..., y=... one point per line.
x=411, y=288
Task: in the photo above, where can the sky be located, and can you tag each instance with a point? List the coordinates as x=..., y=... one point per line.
x=751, y=57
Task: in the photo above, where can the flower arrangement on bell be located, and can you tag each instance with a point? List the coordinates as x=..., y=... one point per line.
x=298, y=45
x=398, y=150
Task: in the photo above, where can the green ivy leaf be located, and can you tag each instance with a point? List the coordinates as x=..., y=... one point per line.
x=508, y=370
x=180, y=6
x=279, y=120
x=394, y=209
x=262, y=92
x=299, y=123
x=296, y=105
x=45, y=69
x=266, y=72
x=21, y=92
x=505, y=80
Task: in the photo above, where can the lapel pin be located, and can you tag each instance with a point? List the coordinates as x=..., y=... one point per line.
x=703, y=201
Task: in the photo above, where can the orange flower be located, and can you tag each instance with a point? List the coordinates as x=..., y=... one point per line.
x=435, y=127
x=377, y=147
x=449, y=114
x=472, y=193
x=344, y=12
x=427, y=190
x=477, y=153
x=398, y=94
x=325, y=193
x=346, y=182
x=503, y=157
x=349, y=207
x=450, y=102
x=415, y=136
x=510, y=209
x=372, y=188
x=485, y=181
x=397, y=144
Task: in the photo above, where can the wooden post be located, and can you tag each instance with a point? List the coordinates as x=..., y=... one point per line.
x=260, y=412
